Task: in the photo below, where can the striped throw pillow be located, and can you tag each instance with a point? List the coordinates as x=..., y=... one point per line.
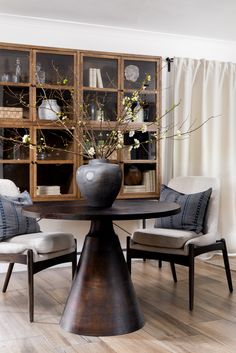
x=12, y=222
x=193, y=210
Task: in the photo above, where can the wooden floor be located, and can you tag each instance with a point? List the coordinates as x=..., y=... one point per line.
x=170, y=327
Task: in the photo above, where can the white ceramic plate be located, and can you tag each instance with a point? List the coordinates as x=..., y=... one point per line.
x=131, y=73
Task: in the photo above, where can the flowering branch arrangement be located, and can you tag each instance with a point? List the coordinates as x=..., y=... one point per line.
x=108, y=136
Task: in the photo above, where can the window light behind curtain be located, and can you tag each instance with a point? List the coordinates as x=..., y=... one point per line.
x=205, y=88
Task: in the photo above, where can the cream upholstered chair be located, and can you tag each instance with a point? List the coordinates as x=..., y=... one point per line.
x=181, y=246
x=38, y=250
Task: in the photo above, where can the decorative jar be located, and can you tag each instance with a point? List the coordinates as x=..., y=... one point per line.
x=49, y=109
x=99, y=182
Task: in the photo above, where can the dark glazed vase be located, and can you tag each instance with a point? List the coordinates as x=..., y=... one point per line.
x=99, y=182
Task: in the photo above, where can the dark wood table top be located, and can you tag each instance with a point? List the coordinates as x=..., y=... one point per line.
x=121, y=210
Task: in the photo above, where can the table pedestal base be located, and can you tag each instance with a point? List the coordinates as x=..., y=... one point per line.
x=102, y=301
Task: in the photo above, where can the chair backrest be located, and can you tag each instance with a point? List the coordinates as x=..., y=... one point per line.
x=7, y=187
x=194, y=184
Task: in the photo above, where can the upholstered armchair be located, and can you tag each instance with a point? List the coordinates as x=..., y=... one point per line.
x=21, y=240
x=179, y=239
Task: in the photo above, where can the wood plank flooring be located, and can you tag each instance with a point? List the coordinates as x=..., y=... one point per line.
x=169, y=328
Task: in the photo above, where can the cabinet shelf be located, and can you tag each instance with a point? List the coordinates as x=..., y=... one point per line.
x=54, y=161
x=14, y=84
x=139, y=161
x=14, y=161
x=55, y=87
x=87, y=88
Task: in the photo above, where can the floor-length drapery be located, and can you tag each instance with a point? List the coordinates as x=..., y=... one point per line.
x=208, y=88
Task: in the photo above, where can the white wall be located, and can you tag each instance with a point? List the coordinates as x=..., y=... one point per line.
x=24, y=30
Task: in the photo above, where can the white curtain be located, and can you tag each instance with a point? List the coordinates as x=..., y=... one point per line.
x=207, y=88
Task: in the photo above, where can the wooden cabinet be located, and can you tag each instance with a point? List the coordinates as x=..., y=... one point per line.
x=69, y=78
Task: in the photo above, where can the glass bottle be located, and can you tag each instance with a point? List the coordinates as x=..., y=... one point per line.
x=138, y=113
x=100, y=113
x=93, y=112
x=146, y=112
x=18, y=71
x=40, y=74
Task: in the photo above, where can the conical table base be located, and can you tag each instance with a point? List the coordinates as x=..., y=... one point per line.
x=102, y=301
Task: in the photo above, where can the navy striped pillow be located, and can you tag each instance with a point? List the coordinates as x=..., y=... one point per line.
x=193, y=209
x=12, y=222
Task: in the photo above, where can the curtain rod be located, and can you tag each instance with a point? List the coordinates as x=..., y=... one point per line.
x=169, y=61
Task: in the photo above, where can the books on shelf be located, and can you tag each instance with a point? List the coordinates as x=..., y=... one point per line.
x=92, y=77
x=48, y=190
x=11, y=112
x=99, y=78
x=134, y=188
x=148, y=184
x=149, y=180
x=95, y=78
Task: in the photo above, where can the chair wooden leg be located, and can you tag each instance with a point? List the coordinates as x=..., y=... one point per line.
x=172, y=266
x=30, y=284
x=8, y=276
x=74, y=261
x=191, y=276
x=74, y=265
x=227, y=267
x=159, y=263
x=128, y=258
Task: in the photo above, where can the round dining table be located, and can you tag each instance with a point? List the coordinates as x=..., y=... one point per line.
x=102, y=300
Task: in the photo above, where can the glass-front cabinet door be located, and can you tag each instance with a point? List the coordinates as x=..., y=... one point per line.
x=54, y=69
x=54, y=163
x=56, y=91
x=99, y=88
x=15, y=157
x=140, y=166
x=14, y=84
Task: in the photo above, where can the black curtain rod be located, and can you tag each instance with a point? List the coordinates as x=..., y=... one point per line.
x=169, y=61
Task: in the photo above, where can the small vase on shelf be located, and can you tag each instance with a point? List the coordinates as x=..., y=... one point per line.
x=139, y=114
x=17, y=76
x=40, y=74
x=49, y=109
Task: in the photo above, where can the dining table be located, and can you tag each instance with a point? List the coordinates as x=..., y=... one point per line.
x=102, y=299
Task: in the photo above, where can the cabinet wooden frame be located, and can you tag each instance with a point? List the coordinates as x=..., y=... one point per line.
x=33, y=123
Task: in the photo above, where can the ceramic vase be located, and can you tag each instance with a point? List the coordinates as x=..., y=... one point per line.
x=99, y=182
x=49, y=109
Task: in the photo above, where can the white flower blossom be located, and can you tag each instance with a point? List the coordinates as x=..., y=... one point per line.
x=120, y=137
x=26, y=139
x=178, y=133
x=136, y=143
x=134, y=98
x=126, y=100
x=131, y=133
x=91, y=151
x=144, y=128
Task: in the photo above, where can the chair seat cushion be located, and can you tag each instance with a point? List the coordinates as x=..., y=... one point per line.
x=12, y=222
x=193, y=210
x=40, y=243
x=163, y=238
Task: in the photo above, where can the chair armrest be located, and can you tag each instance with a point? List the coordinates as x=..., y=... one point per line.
x=203, y=239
